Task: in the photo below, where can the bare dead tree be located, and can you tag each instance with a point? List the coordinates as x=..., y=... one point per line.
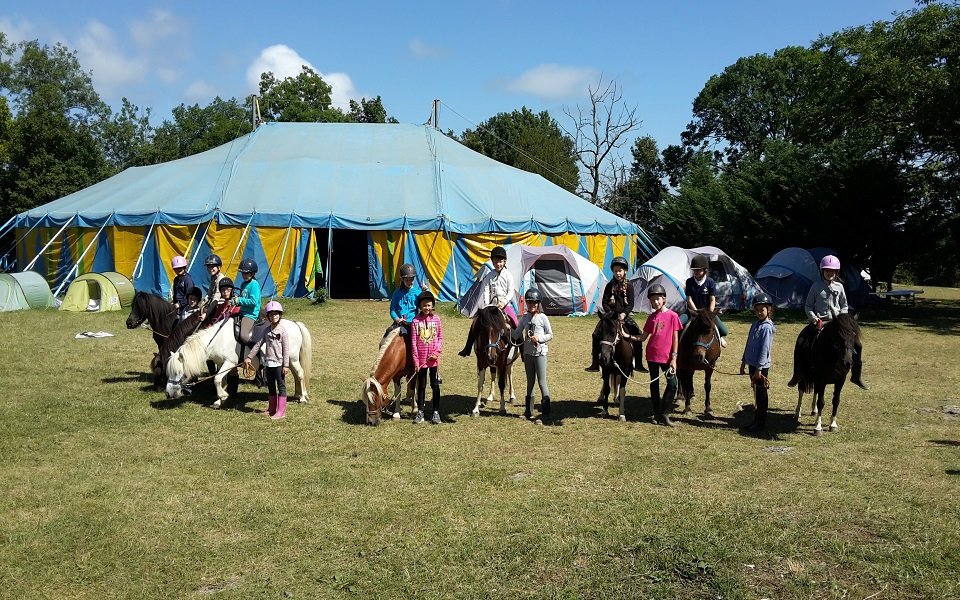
x=598, y=130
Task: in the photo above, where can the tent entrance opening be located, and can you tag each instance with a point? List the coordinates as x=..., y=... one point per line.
x=349, y=276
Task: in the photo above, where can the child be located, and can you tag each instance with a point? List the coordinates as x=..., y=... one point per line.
x=248, y=300
x=756, y=356
x=214, y=264
x=275, y=360
x=426, y=342
x=535, y=328
x=498, y=289
x=224, y=308
x=825, y=300
x=701, y=291
x=403, y=303
x=193, y=302
x=182, y=285
x=662, y=328
x=618, y=298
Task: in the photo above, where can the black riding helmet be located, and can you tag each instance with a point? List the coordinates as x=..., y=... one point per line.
x=656, y=290
x=213, y=261
x=407, y=270
x=424, y=296
x=699, y=262
x=248, y=265
x=619, y=260
x=226, y=282
x=532, y=295
x=498, y=252
x=762, y=298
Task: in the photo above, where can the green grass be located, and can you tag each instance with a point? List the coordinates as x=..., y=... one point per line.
x=111, y=491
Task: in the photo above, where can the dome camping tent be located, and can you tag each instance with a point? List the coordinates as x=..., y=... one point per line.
x=671, y=269
x=11, y=296
x=98, y=292
x=362, y=198
x=568, y=282
x=789, y=273
x=20, y=291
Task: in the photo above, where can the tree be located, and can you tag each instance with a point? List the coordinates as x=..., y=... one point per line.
x=599, y=129
x=369, y=111
x=642, y=191
x=195, y=129
x=125, y=138
x=304, y=99
x=530, y=141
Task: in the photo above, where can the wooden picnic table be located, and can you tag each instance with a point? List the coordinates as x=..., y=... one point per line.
x=907, y=297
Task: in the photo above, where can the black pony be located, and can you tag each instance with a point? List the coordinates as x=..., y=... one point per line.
x=153, y=309
x=616, y=362
x=828, y=362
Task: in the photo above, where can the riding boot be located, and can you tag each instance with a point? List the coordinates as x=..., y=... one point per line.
x=271, y=405
x=471, y=336
x=594, y=354
x=638, y=357
x=545, y=407
x=528, y=404
x=281, y=408
x=856, y=371
x=761, y=401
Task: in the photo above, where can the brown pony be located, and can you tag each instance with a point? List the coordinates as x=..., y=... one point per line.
x=495, y=351
x=393, y=364
x=699, y=350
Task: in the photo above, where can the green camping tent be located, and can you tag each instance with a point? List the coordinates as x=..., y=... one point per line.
x=11, y=296
x=35, y=289
x=98, y=292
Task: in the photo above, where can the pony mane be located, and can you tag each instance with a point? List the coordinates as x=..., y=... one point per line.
x=371, y=381
x=384, y=344
x=490, y=317
x=182, y=331
x=847, y=327
x=194, y=352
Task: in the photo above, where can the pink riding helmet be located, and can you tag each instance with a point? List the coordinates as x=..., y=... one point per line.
x=830, y=262
x=178, y=262
x=273, y=306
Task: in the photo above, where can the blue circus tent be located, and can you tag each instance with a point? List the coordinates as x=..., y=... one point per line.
x=361, y=198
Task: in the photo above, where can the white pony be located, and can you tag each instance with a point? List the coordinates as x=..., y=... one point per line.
x=218, y=344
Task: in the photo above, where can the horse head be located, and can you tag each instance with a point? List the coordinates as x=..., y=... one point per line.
x=176, y=374
x=138, y=312
x=493, y=333
x=375, y=399
x=609, y=337
x=704, y=339
x=842, y=334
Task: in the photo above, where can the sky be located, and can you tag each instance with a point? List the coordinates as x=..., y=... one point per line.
x=478, y=58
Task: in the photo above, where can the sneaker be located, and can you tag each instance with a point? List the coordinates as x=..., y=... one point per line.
x=418, y=418
x=435, y=419
x=592, y=368
x=723, y=342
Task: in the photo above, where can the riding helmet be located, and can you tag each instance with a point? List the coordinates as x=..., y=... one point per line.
x=424, y=296
x=762, y=298
x=213, y=261
x=699, y=262
x=178, y=262
x=498, y=252
x=248, y=265
x=273, y=306
x=407, y=270
x=619, y=260
x=656, y=290
x=226, y=282
x=830, y=262
x=532, y=295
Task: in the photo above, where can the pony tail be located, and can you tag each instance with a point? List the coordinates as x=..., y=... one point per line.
x=306, y=353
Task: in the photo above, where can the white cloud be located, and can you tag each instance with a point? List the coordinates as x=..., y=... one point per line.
x=16, y=32
x=168, y=74
x=284, y=62
x=160, y=25
x=200, y=91
x=553, y=82
x=98, y=51
x=420, y=49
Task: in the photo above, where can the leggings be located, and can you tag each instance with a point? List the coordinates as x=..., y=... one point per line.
x=536, y=368
x=422, y=387
x=671, y=392
x=275, y=383
x=760, y=390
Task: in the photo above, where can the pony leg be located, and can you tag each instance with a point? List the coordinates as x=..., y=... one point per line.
x=818, y=394
x=513, y=398
x=836, y=406
x=411, y=398
x=707, y=377
x=481, y=376
x=605, y=396
x=493, y=378
x=218, y=384
x=502, y=377
x=622, y=395
x=299, y=382
x=799, y=403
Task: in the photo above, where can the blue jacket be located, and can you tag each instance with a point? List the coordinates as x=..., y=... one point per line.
x=249, y=299
x=182, y=286
x=759, y=343
x=404, y=303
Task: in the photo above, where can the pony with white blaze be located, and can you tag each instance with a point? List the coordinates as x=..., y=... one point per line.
x=218, y=344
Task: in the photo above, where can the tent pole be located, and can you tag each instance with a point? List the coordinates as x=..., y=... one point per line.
x=283, y=251
x=453, y=253
x=329, y=256
x=55, y=236
x=190, y=245
x=76, y=265
x=16, y=243
x=143, y=248
x=7, y=224
x=242, y=237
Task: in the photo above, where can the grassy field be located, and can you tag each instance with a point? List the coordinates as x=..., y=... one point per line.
x=112, y=491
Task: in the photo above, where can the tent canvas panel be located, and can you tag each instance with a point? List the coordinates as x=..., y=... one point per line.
x=11, y=296
x=35, y=289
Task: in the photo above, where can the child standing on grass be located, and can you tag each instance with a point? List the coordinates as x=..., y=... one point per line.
x=662, y=328
x=426, y=342
x=275, y=360
x=756, y=356
x=535, y=328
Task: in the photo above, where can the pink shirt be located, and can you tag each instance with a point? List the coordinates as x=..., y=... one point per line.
x=661, y=325
x=426, y=338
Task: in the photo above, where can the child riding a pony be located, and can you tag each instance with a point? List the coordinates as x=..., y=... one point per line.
x=701, y=291
x=182, y=285
x=403, y=303
x=825, y=300
x=497, y=288
x=618, y=297
x=213, y=263
x=248, y=299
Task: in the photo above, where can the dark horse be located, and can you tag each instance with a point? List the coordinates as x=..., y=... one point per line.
x=616, y=362
x=699, y=350
x=494, y=351
x=161, y=315
x=180, y=333
x=828, y=362
x=392, y=365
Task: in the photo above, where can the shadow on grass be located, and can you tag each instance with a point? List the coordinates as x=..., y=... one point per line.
x=946, y=442
x=204, y=394
x=952, y=471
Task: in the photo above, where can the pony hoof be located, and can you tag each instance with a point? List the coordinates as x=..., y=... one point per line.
x=834, y=428
x=623, y=418
x=475, y=413
x=817, y=432
x=709, y=414
x=216, y=404
x=686, y=411
x=503, y=412
x=395, y=416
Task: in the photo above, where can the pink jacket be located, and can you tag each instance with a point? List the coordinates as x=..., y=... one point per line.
x=426, y=338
